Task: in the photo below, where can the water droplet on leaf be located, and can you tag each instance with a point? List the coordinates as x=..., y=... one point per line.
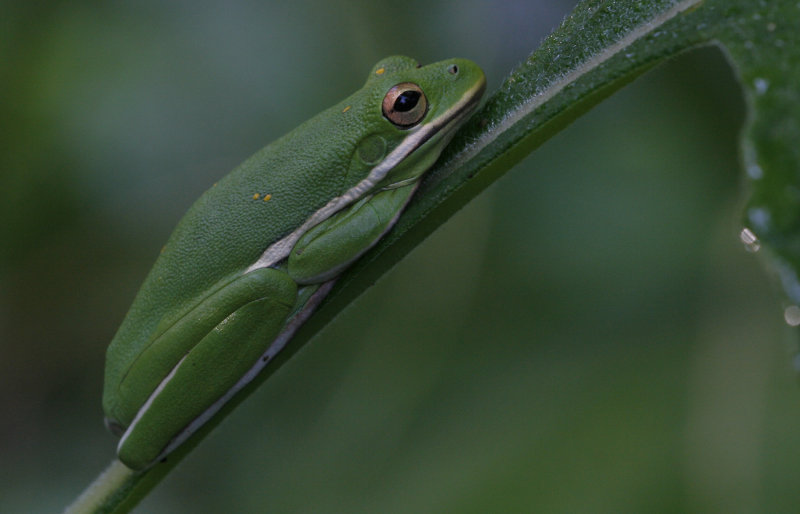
x=755, y=172
x=751, y=242
x=760, y=218
x=792, y=315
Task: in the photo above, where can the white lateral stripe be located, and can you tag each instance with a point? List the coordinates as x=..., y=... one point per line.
x=279, y=250
x=144, y=408
x=274, y=348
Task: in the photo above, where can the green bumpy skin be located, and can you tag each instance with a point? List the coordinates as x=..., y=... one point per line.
x=208, y=311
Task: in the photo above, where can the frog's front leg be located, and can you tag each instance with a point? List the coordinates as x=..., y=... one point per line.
x=238, y=322
x=330, y=247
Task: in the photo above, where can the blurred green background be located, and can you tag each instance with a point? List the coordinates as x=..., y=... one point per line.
x=589, y=335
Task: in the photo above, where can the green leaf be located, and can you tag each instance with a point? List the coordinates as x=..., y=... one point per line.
x=598, y=49
x=763, y=46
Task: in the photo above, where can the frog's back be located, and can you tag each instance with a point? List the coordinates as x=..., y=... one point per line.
x=267, y=197
x=232, y=223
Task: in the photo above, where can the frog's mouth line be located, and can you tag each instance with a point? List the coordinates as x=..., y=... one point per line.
x=280, y=249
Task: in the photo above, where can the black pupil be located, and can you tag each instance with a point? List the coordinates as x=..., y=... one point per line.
x=406, y=101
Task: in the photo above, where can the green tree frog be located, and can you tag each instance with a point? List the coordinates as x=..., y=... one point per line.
x=258, y=251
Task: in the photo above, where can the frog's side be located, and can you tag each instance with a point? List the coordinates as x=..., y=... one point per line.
x=223, y=289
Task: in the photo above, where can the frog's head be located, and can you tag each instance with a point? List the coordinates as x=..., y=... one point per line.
x=413, y=111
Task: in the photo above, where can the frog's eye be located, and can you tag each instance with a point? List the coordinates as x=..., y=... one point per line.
x=405, y=105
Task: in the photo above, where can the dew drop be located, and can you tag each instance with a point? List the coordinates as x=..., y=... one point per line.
x=788, y=278
x=751, y=242
x=755, y=172
x=760, y=218
x=761, y=85
x=792, y=315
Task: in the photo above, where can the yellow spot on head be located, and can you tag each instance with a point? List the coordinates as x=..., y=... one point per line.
x=267, y=197
x=256, y=196
x=347, y=108
x=380, y=71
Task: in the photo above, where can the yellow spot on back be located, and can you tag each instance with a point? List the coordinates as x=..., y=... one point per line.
x=347, y=108
x=380, y=71
x=267, y=197
x=256, y=196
